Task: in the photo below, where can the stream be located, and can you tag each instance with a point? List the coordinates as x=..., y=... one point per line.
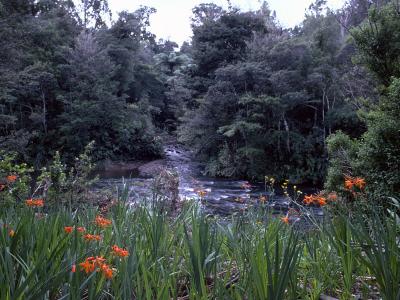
x=223, y=196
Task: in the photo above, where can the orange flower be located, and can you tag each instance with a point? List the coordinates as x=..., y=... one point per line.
x=315, y=199
x=73, y=268
x=81, y=229
x=98, y=260
x=350, y=182
x=119, y=251
x=107, y=271
x=92, y=263
x=29, y=202
x=92, y=237
x=359, y=182
x=308, y=199
x=34, y=202
x=321, y=201
x=12, y=178
x=87, y=266
x=68, y=229
x=285, y=219
x=11, y=233
x=102, y=222
x=39, y=202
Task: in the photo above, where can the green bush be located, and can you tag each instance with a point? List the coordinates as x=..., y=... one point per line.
x=376, y=155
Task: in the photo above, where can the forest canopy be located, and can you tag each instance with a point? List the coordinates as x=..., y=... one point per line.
x=246, y=95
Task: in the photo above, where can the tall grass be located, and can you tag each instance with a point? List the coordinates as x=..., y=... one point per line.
x=273, y=260
x=379, y=239
x=192, y=255
x=341, y=238
x=319, y=263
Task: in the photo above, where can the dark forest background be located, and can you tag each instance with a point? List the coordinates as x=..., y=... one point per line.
x=249, y=97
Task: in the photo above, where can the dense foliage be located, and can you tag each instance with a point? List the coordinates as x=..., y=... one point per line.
x=376, y=154
x=267, y=97
x=247, y=96
x=67, y=79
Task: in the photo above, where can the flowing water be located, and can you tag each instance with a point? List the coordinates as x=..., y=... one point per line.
x=223, y=196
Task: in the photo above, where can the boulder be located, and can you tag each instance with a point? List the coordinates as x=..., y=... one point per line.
x=166, y=188
x=152, y=169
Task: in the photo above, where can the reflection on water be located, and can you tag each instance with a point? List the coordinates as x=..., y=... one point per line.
x=223, y=196
x=117, y=174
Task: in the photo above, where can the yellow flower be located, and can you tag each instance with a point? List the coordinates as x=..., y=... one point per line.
x=201, y=193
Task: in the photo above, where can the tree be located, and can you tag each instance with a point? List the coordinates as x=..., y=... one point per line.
x=63, y=85
x=206, y=12
x=94, y=110
x=376, y=154
x=29, y=79
x=379, y=151
x=286, y=91
x=378, y=42
x=223, y=41
x=94, y=13
x=13, y=7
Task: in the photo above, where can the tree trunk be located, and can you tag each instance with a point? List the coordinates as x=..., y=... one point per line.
x=44, y=112
x=287, y=132
x=323, y=116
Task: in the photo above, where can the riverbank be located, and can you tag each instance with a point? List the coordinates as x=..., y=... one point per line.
x=57, y=243
x=143, y=253
x=119, y=169
x=222, y=196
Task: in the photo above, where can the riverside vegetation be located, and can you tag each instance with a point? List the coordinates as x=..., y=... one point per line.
x=318, y=103
x=62, y=247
